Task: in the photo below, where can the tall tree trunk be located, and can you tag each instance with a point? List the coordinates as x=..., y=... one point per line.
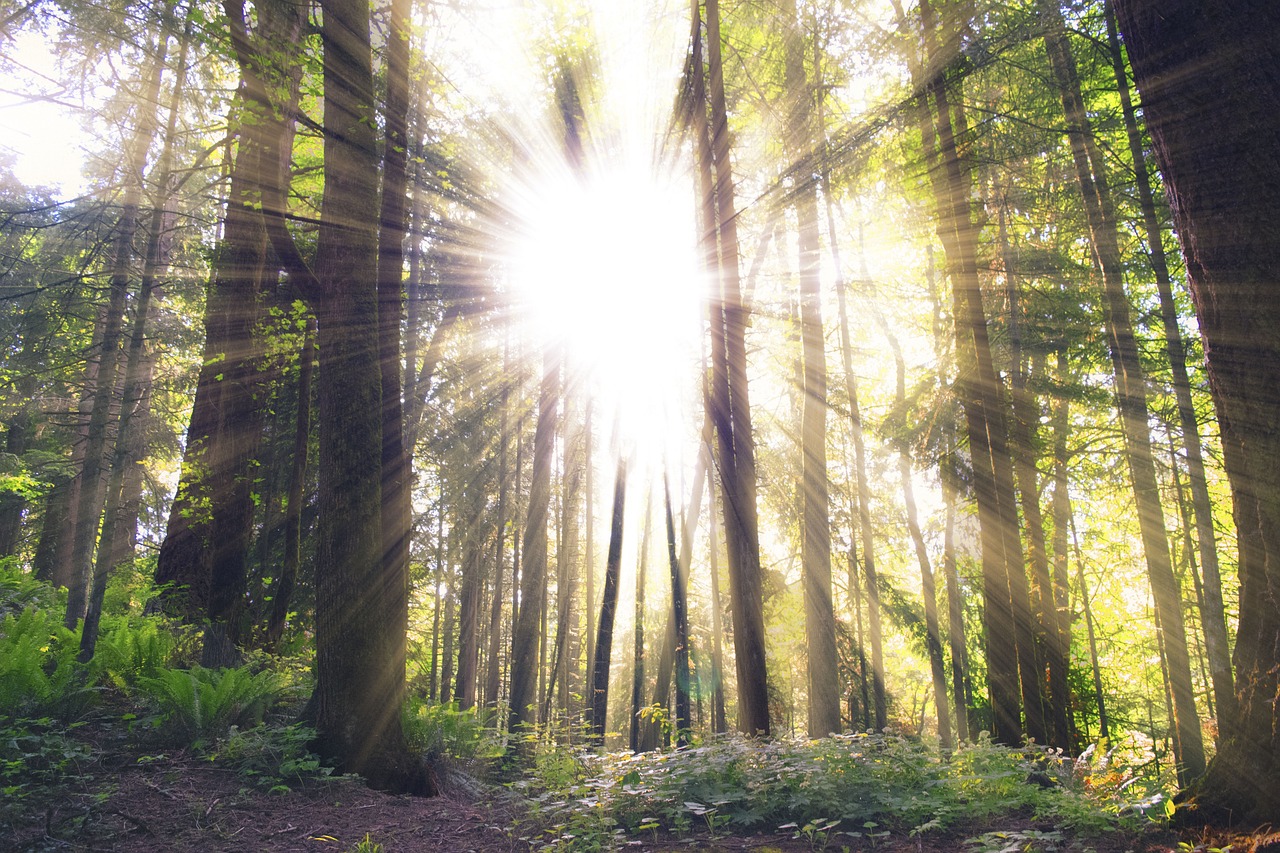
x=955, y=620
x=116, y=527
x=928, y=589
x=205, y=549
x=1006, y=612
x=820, y=628
x=90, y=499
x=1131, y=397
x=680, y=615
x=525, y=638
x=1104, y=723
x=719, y=724
x=1023, y=432
x=282, y=593
x=608, y=607
x=1212, y=105
x=865, y=532
x=397, y=461
x=493, y=673
x=1212, y=613
x=567, y=555
x=360, y=661
x=731, y=406
x=473, y=548
x=638, y=657
x=667, y=652
x=1060, y=641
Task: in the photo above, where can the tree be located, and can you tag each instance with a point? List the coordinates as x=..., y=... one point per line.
x=608, y=608
x=820, y=623
x=1131, y=396
x=1005, y=605
x=1212, y=104
x=729, y=400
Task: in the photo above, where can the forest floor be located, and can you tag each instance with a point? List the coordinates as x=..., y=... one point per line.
x=134, y=798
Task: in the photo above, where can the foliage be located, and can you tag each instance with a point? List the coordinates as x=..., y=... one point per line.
x=129, y=650
x=857, y=786
x=366, y=845
x=19, y=590
x=201, y=704
x=39, y=673
x=444, y=731
x=39, y=762
x=274, y=757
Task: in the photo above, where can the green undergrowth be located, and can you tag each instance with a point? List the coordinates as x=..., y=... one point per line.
x=140, y=694
x=842, y=790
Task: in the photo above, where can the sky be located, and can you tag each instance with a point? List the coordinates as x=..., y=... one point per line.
x=43, y=137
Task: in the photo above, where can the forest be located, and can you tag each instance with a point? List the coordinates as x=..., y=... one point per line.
x=581, y=424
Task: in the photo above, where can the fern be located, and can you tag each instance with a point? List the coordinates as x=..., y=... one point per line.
x=130, y=650
x=38, y=669
x=201, y=704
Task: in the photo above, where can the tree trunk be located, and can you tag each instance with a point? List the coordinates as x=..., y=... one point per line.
x=719, y=724
x=1006, y=614
x=360, y=661
x=525, y=638
x=90, y=500
x=1212, y=104
x=282, y=594
x=1211, y=613
x=608, y=606
x=731, y=408
x=1060, y=641
x=493, y=674
x=205, y=549
x=1131, y=398
x=396, y=459
x=680, y=615
x=1023, y=440
x=820, y=628
x=116, y=527
x=473, y=546
x=928, y=589
x=637, y=672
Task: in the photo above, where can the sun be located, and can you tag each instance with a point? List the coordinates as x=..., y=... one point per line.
x=606, y=269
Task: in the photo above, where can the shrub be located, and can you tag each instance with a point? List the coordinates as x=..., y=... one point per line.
x=39, y=673
x=273, y=756
x=131, y=649
x=203, y=704
x=445, y=732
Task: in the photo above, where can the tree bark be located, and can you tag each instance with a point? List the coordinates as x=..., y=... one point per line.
x=820, y=628
x=608, y=607
x=1212, y=103
x=525, y=638
x=680, y=615
x=360, y=663
x=928, y=589
x=1006, y=613
x=1131, y=397
x=731, y=410
x=1212, y=615
x=90, y=500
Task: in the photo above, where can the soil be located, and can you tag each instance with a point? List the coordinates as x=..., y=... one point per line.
x=136, y=799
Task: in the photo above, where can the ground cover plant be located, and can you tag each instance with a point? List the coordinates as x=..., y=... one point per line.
x=860, y=789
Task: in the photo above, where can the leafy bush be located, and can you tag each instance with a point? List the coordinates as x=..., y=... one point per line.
x=203, y=704
x=39, y=673
x=131, y=649
x=862, y=786
x=38, y=763
x=273, y=756
x=445, y=732
x=19, y=590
